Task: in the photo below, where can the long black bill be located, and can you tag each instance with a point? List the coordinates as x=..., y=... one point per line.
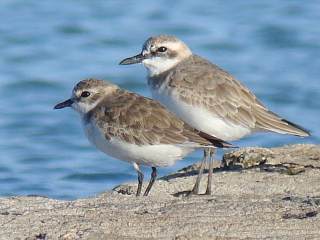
x=64, y=104
x=132, y=60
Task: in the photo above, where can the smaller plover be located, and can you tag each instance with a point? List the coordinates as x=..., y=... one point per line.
x=204, y=95
x=134, y=128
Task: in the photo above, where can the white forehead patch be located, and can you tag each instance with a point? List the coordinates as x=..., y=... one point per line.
x=173, y=45
x=158, y=65
x=176, y=46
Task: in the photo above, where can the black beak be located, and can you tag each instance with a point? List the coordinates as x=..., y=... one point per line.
x=133, y=60
x=64, y=104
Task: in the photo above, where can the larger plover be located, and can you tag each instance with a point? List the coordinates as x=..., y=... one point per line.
x=204, y=95
x=134, y=128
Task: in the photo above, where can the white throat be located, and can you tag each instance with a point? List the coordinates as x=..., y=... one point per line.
x=83, y=107
x=157, y=65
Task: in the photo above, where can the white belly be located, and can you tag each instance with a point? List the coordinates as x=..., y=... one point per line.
x=150, y=155
x=200, y=118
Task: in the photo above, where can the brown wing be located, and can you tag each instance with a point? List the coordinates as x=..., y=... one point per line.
x=139, y=120
x=202, y=83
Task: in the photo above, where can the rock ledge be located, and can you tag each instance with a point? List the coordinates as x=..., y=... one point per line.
x=258, y=193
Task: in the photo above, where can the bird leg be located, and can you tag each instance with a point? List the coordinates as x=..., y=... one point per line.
x=152, y=179
x=211, y=156
x=140, y=178
x=196, y=186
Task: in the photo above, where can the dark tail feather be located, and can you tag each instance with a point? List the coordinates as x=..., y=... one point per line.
x=216, y=141
x=270, y=121
x=307, y=132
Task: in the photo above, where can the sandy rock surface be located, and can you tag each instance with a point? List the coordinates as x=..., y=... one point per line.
x=258, y=193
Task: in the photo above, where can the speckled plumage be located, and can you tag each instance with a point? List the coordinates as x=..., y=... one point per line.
x=201, y=84
x=134, y=128
x=142, y=121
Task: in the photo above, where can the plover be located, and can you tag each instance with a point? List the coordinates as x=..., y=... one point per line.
x=204, y=95
x=134, y=128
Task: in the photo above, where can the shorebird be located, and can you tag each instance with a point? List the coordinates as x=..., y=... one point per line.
x=204, y=95
x=134, y=128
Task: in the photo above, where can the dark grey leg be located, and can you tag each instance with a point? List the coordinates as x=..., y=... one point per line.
x=140, y=178
x=196, y=186
x=211, y=156
x=153, y=178
x=140, y=181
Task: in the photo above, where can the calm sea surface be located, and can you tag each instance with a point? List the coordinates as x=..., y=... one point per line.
x=47, y=46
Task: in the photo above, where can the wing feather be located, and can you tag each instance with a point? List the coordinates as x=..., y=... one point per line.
x=201, y=83
x=142, y=121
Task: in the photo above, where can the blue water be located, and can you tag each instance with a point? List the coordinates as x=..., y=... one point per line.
x=47, y=46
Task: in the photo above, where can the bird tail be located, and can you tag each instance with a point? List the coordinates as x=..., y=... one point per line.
x=267, y=120
x=216, y=141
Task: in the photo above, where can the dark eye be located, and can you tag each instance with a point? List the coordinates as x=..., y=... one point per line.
x=162, y=49
x=85, y=94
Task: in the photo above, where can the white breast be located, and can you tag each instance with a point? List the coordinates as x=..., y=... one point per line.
x=151, y=155
x=199, y=117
